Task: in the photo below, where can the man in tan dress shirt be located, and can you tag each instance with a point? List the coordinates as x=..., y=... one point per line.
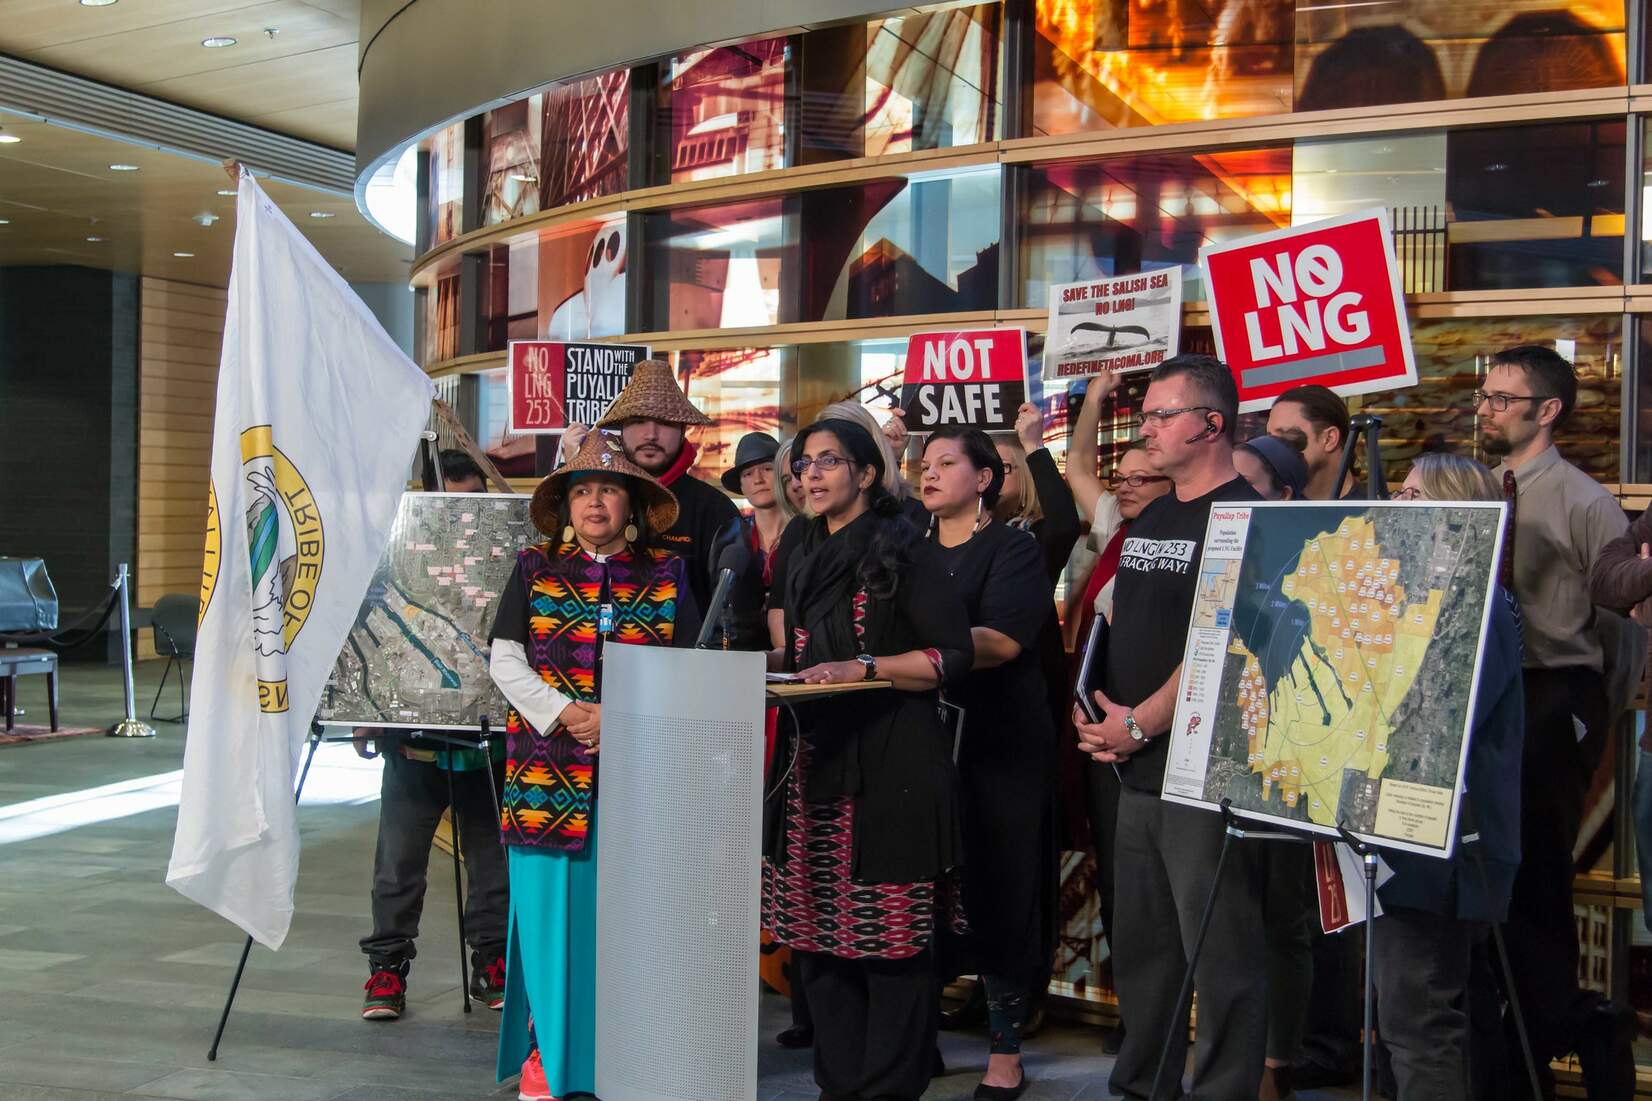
x=1563, y=517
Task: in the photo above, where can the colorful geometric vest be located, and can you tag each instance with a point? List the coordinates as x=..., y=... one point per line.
x=550, y=780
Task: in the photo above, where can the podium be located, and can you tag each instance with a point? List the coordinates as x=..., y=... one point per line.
x=679, y=827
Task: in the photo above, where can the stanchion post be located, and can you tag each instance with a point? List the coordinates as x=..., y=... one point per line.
x=131, y=726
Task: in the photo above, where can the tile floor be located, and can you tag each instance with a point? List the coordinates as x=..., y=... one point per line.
x=110, y=983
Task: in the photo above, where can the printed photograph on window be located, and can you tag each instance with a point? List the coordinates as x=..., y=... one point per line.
x=510, y=145
x=740, y=390
x=581, y=280
x=1112, y=64
x=715, y=267
x=722, y=111
x=586, y=128
x=446, y=149
x=931, y=80
x=913, y=245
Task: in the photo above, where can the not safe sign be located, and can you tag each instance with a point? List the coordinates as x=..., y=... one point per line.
x=974, y=377
x=1319, y=303
x=553, y=383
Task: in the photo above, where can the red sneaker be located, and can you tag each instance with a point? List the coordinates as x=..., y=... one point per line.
x=487, y=983
x=533, y=1086
x=386, y=995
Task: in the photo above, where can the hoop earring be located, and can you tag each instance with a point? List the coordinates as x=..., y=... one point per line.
x=568, y=533
x=631, y=532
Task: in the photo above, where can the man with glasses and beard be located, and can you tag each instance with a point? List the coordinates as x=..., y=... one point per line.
x=1562, y=519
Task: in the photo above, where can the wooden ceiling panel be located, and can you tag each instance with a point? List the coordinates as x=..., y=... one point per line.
x=154, y=47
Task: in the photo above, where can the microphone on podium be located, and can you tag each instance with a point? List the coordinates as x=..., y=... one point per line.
x=733, y=562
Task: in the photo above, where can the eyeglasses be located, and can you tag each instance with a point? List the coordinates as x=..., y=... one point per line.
x=1164, y=416
x=827, y=461
x=1500, y=402
x=1134, y=481
x=1406, y=493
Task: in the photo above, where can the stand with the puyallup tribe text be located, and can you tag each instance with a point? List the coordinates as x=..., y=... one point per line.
x=483, y=741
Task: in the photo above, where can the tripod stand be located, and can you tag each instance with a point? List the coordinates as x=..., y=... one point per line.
x=1370, y=425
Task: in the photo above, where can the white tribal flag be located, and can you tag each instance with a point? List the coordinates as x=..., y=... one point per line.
x=317, y=419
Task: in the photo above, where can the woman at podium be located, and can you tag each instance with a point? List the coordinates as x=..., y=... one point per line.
x=596, y=578
x=1006, y=757
x=863, y=833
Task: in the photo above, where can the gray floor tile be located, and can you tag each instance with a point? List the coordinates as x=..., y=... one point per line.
x=225, y=1085
x=24, y=1068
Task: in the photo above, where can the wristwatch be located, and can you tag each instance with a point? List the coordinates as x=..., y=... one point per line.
x=871, y=664
x=1132, y=727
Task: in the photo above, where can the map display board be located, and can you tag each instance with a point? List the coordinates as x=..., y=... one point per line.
x=418, y=653
x=1332, y=663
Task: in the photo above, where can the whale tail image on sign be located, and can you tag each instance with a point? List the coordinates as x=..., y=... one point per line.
x=975, y=377
x=1317, y=303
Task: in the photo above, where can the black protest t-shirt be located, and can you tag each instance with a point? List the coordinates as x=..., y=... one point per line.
x=1157, y=578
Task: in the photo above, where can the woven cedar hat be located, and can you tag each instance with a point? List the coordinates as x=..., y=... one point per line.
x=653, y=393
x=602, y=454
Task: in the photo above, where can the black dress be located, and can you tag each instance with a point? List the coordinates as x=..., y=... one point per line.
x=1005, y=759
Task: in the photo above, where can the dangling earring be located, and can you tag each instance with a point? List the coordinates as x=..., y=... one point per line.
x=631, y=532
x=568, y=533
x=931, y=531
x=979, y=503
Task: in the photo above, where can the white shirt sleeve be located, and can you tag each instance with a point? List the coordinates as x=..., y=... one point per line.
x=537, y=702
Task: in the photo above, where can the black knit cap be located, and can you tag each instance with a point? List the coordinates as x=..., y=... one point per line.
x=862, y=449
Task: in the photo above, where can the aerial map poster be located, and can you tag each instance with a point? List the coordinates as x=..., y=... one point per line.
x=1332, y=663
x=418, y=653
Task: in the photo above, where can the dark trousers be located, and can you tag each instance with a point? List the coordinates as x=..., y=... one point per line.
x=875, y=1023
x=1290, y=909
x=1541, y=932
x=1420, y=967
x=411, y=802
x=1102, y=797
x=1335, y=1014
x=1166, y=865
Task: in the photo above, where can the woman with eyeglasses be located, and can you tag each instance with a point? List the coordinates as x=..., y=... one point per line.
x=1006, y=756
x=862, y=827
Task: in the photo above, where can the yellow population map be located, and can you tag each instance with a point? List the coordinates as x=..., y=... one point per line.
x=1367, y=642
x=1328, y=677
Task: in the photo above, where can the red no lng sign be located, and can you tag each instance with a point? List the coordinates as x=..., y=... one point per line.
x=1319, y=303
x=974, y=377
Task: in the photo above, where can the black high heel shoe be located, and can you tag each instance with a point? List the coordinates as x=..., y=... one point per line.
x=984, y=1092
x=971, y=1012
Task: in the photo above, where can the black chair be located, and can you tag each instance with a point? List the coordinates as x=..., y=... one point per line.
x=173, y=619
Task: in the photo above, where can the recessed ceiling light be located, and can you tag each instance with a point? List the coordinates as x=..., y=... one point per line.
x=94, y=240
x=229, y=191
x=5, y=221
x=9, y=139
x=217, y=42
x=123, y=168
x=206, y=219
x=184, y=255
x=97, y=3
x=322, y=214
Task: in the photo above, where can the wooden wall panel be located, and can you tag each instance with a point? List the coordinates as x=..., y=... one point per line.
x=180, y=332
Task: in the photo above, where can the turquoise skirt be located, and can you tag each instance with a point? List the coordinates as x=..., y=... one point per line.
x=551, y=966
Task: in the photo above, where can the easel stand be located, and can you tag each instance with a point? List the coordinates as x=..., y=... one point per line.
x=1368, y=863
x=482, y=742
x=1233, y=831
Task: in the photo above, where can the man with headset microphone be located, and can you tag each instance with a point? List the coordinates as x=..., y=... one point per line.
x=1165, y=851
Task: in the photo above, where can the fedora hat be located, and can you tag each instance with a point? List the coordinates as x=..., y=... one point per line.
x=601, y=454
x=753, y=448
x=652, y=393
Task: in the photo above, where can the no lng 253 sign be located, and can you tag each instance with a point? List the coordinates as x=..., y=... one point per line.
x=553, y=383
x=975, y=377
x=1318, y=303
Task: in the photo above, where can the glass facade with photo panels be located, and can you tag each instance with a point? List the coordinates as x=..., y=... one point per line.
x=1114, y=64
x=562, y=145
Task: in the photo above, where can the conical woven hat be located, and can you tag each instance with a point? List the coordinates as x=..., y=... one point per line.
x=603, y=454
x=652, y=393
